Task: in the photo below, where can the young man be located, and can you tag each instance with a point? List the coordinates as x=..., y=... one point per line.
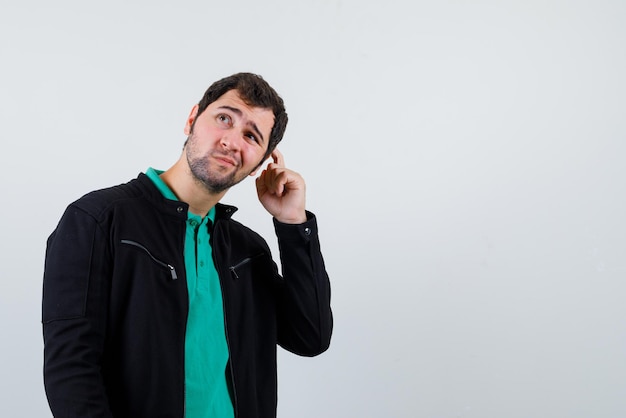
x=157, y=304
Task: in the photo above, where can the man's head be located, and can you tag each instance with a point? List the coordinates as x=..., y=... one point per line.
x=232, y=131
x=255, y=92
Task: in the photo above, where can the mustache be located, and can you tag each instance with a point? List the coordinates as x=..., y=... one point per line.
x=228, y=156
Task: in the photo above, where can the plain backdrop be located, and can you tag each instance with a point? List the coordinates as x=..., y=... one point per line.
x=466, y=161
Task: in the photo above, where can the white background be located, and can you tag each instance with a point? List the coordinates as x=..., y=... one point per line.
x=466, y=160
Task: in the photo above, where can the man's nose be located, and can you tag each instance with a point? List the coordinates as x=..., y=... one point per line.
x=231, y=141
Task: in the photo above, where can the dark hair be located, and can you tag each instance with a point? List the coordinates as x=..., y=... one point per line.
x=256, y=92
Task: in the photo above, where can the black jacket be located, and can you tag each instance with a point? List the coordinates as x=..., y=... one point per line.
x=115, y=305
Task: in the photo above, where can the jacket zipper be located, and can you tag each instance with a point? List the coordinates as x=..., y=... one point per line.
x=168, y=266
x=241, y=264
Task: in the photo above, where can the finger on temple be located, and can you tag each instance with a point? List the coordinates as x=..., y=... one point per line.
x=278, y=158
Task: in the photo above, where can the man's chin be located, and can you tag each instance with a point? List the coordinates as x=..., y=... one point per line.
x=215, y=185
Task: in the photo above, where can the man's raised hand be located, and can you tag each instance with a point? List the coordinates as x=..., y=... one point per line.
x=281, y=191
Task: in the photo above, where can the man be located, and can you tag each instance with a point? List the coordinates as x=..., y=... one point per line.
x=157, y=304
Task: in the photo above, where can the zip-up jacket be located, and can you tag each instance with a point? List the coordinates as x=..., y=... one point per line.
x=115, y=305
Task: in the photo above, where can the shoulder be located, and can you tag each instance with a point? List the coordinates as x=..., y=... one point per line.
x=99, y=202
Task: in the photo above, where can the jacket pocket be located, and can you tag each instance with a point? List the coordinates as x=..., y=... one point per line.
x=238, y=267
x=168, y=266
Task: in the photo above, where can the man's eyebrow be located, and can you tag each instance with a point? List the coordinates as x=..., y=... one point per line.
x=238, y=112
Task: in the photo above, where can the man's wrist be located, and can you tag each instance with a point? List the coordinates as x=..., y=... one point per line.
x=293, y=220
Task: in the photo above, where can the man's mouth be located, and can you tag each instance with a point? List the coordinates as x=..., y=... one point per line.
x=225, y=159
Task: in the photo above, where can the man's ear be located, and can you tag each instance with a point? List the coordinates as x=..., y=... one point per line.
x=190, y=119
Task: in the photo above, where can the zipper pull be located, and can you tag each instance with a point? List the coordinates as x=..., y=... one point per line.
x=232, y=270
x=172, y=271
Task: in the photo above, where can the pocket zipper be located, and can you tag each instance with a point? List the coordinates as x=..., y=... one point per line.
x=168, y=266
x=242, y=263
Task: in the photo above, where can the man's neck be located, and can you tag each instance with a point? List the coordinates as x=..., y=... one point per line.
x=180, y=180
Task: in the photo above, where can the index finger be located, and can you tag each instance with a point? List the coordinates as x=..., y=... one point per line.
x=278, y=158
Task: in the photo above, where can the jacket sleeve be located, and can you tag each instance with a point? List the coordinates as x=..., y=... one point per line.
x=305, y=318
x=74, y=317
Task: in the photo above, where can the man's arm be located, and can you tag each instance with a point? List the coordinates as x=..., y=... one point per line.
x=304, y=315
x=74, y=317
x=305, y=320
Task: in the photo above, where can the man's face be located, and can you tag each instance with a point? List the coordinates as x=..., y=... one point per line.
x=227, y=142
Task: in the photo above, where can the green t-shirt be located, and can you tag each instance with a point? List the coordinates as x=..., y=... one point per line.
x=206, y=350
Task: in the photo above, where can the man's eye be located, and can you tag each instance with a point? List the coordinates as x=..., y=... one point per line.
x=252, y=137
x=224, y=118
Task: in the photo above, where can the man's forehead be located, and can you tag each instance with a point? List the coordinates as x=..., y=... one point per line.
x=234, y=96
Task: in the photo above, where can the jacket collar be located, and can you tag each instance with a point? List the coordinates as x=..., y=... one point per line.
x=178, y=207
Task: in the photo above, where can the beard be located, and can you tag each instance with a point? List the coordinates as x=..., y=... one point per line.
x=214, y=179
